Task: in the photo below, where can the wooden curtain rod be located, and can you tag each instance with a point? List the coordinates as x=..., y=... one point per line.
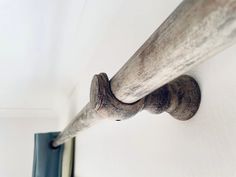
x=194, y=32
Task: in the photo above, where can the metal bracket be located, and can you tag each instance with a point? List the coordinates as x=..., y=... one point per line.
x=180, y=98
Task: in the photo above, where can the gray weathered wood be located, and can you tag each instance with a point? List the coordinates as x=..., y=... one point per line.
x=195, y=31
x=86, y=118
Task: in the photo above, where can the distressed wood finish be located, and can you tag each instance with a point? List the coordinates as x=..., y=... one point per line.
x=195, y=31
x=180, y=98
x=106, y=104
x=103, y=104
x=86, y=118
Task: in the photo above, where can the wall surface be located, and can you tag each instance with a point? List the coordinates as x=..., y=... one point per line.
x=50, y=51
x=17, y=128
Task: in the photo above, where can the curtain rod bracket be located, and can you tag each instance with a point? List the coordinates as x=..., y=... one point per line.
x=180, y=98
x=106, y=104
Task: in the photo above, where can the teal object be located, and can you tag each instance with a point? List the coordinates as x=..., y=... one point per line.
x=47, y=160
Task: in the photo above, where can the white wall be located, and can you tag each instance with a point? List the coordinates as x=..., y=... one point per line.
x=17, y=128
x=49, y=52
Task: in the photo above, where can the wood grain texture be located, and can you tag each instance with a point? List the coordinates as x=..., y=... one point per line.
x=195, y=31
x=106, y=104
x=180, y=98
x=102, y=105
x=86, y=118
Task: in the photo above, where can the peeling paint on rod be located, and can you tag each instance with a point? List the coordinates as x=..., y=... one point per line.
x=194, y=32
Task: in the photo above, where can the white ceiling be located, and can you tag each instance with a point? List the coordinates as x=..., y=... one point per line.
x=33, y=38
